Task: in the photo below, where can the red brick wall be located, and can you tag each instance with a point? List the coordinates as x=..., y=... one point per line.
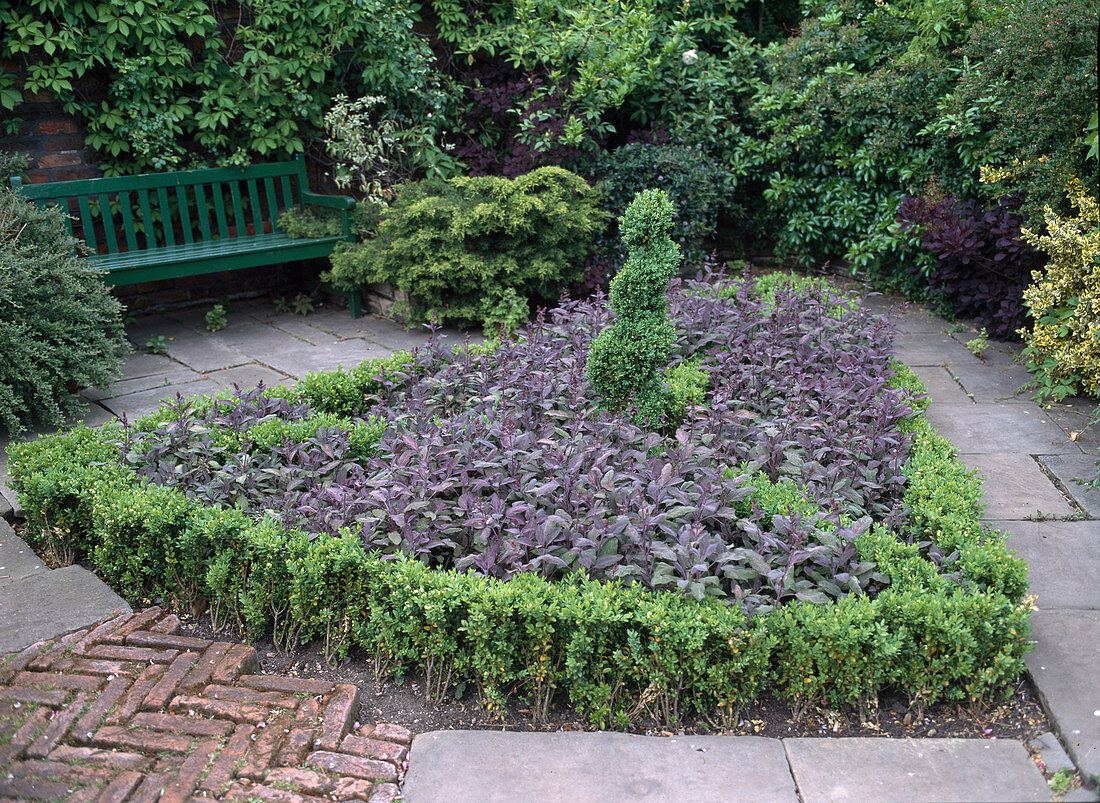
x=52, y=140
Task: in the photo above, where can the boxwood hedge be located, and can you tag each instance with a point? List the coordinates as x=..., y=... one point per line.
x=951, y=624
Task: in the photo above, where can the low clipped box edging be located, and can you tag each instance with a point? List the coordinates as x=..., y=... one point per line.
x=620, y=652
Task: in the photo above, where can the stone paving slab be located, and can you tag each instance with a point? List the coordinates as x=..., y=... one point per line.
x=131, y=710
x=1015, y=487
x=255, y=339
x=303, y=328
x=1065, y=667
x=248, y=376
x=344, y=353
x=913, y=770
x=993, y=383
x=932, y=349
x=997, y=428
x=138, y=404
x=1068, y=468
x=488, y=766
x=941, y=385
x=194, y=318
x=176, y=375
x=1075, y=415
x=369, y=327
x=10, y=508
x=1063, y=560
x=140, y=363
x=151, y=328
x=204, y=353
x=44, y=605
x=95, y=414
x=17, y=559
x=907, y=318
x=1051, y=753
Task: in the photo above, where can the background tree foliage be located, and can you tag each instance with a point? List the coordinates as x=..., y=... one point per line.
x=188, y=82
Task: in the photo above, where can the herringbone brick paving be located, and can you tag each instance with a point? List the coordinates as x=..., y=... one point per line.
x=129, y=710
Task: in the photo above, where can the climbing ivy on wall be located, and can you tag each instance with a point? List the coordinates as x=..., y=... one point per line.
x=188, y=81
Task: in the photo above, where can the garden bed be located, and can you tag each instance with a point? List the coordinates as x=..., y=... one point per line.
x=472, y=514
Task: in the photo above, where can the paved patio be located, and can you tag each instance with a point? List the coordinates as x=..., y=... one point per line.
x=1030, y=456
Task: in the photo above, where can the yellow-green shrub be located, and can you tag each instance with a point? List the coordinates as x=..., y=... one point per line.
x=1063, y=346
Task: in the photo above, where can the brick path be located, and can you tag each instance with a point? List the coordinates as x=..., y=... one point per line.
x=129, y=710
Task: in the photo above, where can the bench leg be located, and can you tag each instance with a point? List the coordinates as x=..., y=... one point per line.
x=355, y=304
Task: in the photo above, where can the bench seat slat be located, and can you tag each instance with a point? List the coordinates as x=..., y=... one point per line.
x=214, y=248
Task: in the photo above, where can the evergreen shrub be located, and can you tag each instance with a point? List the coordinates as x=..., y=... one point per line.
x=693, y=181
x=478, y=250
x=60, y=328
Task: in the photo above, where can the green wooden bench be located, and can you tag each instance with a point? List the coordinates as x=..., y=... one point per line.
x=167, y=225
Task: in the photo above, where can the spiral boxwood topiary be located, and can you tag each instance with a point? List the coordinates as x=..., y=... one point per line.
x=625, y=361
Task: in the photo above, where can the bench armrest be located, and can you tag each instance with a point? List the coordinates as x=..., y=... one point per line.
x=341, y=202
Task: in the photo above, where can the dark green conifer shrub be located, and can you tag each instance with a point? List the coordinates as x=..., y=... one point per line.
x=60, y=328
x=479, y=249
x=625, y=361
x=696, y=183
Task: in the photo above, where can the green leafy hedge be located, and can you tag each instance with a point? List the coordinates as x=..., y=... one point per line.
x=955, y=628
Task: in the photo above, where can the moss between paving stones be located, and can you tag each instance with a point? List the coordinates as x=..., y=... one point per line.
x=953, y=631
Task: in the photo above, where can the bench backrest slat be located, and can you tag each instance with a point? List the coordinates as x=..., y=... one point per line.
x=148, y=232
x=67, y=217
x=128, y=230
x=272, y=204
x=185, y=214
x=202, y=211
x=167, y=210
x=108, y=222
x=166, y=216
x=288, y=194
x=218, y=191
x=86, y=222
x=238, y=209
x=254, y=205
